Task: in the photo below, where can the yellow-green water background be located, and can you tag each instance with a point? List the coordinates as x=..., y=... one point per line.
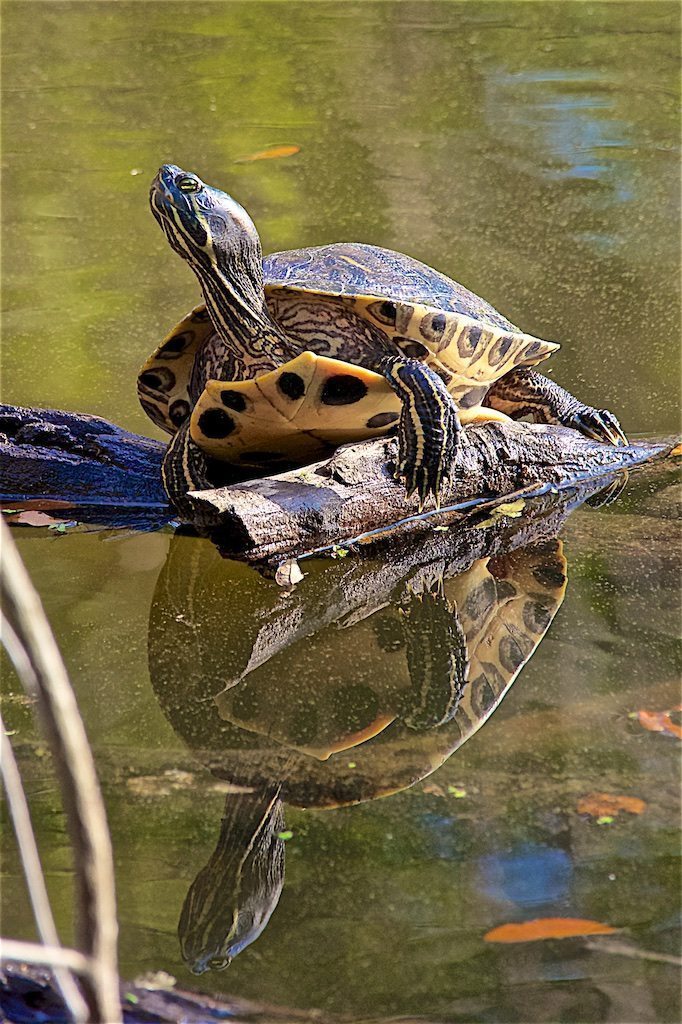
x=530, y=151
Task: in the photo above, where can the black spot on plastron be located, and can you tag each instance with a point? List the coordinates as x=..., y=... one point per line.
x=343, y=389
x=549, y=576
x=159, y=379
x=438, y=323
x=216, y=423
x=178, y=412
x=261, y=457
x=413, y=349
x=382, y=419
x=291, y=385
x=233, y=400
x=500, y=349
x=176, y=345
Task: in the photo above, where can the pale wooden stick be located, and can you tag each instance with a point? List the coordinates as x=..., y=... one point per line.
x=52, y=956
x=33, y=872
x=96, y=925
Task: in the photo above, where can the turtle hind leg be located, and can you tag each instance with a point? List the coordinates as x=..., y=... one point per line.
x=429, y=427
x=524, y=392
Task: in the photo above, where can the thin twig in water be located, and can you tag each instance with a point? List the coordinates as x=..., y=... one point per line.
x=35, y=880
x=56, y=957
x=623, y=949
x=42, y=671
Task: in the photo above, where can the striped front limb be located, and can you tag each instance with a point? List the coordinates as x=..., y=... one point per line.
x=429, y=426
x=524, y=392
x=185, y=468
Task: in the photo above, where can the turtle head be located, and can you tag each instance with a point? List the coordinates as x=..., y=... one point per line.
x=205, y=226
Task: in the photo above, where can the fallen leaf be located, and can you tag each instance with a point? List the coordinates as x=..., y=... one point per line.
x=338, y=552
x=288, y=573
x=433, y=788
x=272, y=153
x=459, y=792
x=605, y=819
x=32, y=518
x=286, y=835
x=660, y=721
x=547, y=928
x=510, y=508
x=677, y=450
x=601, y=805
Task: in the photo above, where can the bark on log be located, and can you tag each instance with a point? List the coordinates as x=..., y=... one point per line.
x=354, y=492
x=109, y=475
x=113, y=477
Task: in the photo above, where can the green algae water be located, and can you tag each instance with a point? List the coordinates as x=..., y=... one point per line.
x=528, y=150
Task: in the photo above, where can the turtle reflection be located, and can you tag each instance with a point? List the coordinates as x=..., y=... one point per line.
x=399, y=662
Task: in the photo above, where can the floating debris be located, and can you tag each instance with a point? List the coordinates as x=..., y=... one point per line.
x=547, y=928
x=272, y=153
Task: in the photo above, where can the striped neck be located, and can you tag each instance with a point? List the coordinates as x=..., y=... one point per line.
x=248, y=341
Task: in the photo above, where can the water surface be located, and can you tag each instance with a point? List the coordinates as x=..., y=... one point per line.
x=529, y=150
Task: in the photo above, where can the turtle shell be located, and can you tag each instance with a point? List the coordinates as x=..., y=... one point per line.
x=348, y=304
x=353, y=269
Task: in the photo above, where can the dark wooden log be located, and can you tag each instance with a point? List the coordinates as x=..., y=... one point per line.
x=354, y=492
x=103, y=472
x=113, y=477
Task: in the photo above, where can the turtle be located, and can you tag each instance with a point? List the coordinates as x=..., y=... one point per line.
x=296, y=353
x=263, y=719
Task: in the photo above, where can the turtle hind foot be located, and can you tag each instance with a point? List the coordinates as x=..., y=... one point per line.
x=424, y=482
x=599, y=424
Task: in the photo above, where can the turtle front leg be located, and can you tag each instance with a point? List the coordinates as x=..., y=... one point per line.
x=524, y=392
x=184, y=468
x=429, y=426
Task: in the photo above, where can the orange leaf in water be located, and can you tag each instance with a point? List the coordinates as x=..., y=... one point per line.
x=32, y=518
x=677, y=450
x=660, y=721
x=547, y=928
x=273, y=153
x=600, y=804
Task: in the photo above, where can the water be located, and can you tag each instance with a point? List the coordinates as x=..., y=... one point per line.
x=529, y=151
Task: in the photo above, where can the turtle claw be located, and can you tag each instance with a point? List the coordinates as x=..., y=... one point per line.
x=599, y=424
x=610, y=493
x=425, y=481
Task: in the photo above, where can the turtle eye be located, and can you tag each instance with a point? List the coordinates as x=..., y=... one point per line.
x=187, y=184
